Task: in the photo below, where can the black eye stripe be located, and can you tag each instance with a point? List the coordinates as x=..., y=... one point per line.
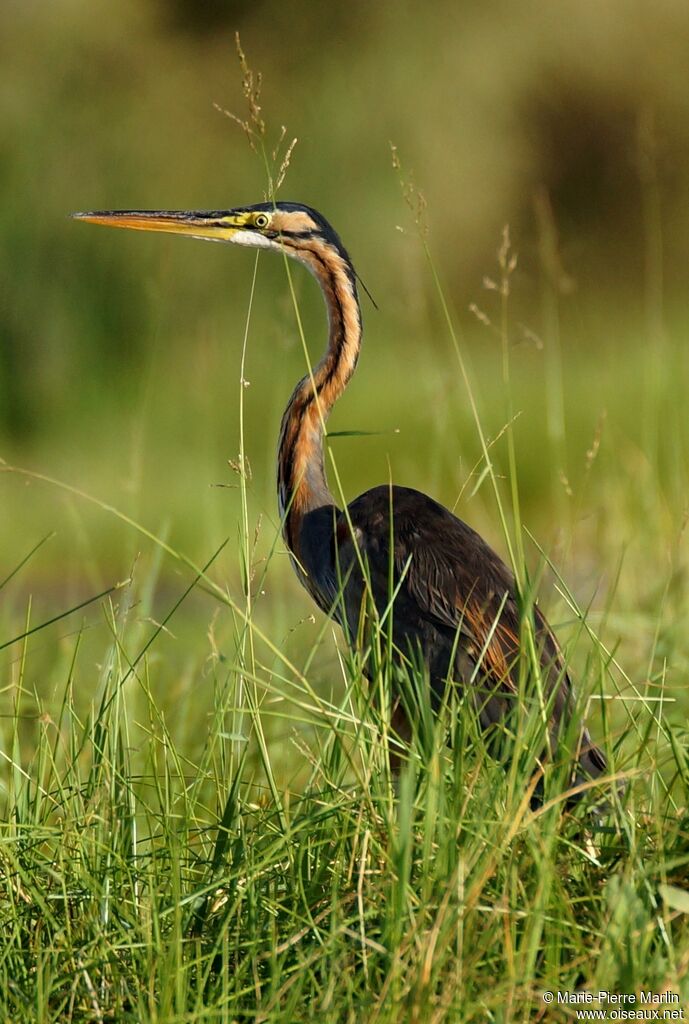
x=312, y=233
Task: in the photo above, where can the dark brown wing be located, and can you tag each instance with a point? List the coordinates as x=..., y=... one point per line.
x=456, y=599
x=446, y=573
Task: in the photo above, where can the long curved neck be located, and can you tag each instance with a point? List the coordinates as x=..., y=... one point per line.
x=302, y=483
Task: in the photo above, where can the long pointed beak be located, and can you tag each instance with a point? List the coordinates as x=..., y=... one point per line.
x=217, y=225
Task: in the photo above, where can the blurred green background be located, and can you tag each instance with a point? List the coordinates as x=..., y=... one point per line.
x=120, y=354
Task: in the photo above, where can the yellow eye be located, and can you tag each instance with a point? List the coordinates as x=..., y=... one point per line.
x=261, y=220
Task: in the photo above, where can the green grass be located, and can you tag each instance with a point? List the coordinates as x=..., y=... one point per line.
x=273, y=871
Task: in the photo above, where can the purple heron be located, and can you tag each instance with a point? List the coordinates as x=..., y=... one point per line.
x=456, y=604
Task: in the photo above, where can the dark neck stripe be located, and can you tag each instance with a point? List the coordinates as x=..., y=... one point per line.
x=332, y=245
x=302, y=482
x=337, y=335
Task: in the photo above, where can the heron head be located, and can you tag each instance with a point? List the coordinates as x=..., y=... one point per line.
x=289, y=227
